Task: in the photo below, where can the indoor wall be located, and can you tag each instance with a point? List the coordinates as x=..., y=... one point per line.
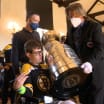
x=14, y=11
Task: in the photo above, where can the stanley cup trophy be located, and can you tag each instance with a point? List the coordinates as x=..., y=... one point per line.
x=68, y=78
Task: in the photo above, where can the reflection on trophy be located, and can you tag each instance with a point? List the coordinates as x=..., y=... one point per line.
x=68, y=77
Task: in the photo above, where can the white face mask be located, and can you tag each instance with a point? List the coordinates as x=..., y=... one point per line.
x=76, y=21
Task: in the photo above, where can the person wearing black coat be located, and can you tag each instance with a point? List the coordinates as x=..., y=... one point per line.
x=19, y=39
x=85, y=37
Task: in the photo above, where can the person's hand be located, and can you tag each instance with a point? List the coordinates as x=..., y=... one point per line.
x=87, y=67
x=19, y=81
x=50, y=60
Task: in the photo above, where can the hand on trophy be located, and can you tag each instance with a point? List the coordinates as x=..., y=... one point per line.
x=50, y=60
x=87, y=67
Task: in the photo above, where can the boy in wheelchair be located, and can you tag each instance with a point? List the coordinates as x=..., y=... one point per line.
x=34, y=84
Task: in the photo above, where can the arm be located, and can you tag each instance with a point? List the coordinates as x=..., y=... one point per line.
x=95, y=48
x=20, y=85
x=69, y=38
x=98, y=50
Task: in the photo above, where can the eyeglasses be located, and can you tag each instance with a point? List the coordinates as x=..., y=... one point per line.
x=37, y=52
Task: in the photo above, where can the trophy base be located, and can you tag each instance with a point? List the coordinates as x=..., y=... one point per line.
x=70, y=83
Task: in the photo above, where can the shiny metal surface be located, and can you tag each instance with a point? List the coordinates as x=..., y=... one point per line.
x=64, y=57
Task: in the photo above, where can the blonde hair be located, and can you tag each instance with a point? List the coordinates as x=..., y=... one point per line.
x=75, y=8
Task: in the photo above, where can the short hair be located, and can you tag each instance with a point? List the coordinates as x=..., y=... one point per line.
x=77, y=8
x=32, y=44
x=30, y=14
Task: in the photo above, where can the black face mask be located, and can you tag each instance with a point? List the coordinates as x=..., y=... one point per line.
x=34, y=26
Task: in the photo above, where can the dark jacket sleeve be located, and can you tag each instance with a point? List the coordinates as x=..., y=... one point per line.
x=28, y=93
x=29, y=86
x=91, y=48
x=98, y=50
x=15, y=55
